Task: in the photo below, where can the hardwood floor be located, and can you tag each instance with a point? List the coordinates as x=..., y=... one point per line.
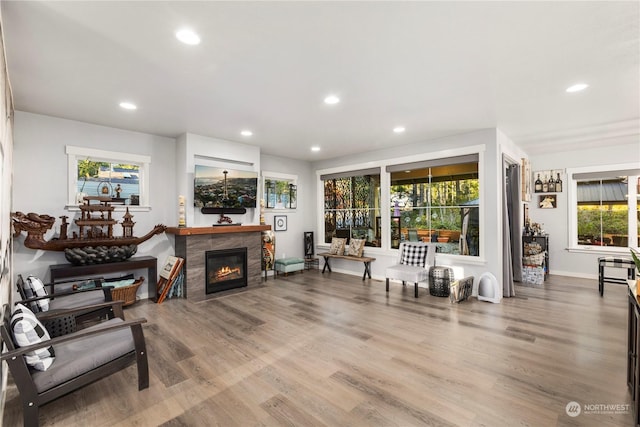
x=311, y=350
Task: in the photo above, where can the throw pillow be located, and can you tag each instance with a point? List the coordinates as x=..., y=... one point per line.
x=414, y=255
x=37, y=287
x=28, y=330
x=25, y=290
x=337, y=246
x=356, y=247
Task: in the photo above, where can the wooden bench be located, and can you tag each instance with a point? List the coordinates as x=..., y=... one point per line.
x=363, y=259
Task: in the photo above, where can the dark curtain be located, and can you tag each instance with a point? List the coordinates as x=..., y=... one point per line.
x=515, y=213
x=512, y=236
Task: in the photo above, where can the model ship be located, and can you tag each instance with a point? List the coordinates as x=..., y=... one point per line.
x=94, y=242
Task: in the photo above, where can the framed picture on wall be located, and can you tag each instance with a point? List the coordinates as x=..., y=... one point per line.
x=548, y=201
x=280, y=223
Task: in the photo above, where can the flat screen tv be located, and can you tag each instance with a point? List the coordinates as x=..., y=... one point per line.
x=209, y=188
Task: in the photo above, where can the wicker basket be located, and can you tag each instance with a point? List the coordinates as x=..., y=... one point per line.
x=533, y=260
x=126, y=293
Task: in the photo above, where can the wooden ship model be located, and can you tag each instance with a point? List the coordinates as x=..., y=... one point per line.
x=94, y=242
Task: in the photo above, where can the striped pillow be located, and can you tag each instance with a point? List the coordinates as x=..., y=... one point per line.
x=37, y=287
x=28, y=330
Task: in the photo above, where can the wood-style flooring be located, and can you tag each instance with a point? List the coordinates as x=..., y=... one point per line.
x=312, y=350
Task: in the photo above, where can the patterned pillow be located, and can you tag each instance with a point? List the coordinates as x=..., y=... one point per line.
x=356, y=247
x=337, y=246
x=28, y=330
x=414, y=255
x=26, y=291
x=37, y=287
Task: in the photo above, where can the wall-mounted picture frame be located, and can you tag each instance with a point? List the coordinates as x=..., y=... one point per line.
x=548, y=201
x=280, y=223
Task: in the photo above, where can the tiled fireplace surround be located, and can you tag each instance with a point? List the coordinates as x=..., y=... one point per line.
x=191, y=243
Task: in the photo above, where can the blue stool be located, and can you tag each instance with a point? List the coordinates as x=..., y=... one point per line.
x=614, y=262
x=289, y=265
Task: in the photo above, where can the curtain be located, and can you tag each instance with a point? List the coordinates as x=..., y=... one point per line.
x=510, y=227
x=515, y=213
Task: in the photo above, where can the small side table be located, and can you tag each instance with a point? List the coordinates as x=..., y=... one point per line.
x=310, y=263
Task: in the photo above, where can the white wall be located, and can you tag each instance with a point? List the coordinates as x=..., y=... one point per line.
x=194, y=149
x=40, y=181
x=555, y=221
x=490, y=194
x=289, y=243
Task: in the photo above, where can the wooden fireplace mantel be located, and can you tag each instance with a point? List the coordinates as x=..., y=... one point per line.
x=220, y=229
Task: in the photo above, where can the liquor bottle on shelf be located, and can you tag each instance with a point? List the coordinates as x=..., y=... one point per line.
x=551, y=184
x=545, y=185
x=558, y=184
x=538, y=185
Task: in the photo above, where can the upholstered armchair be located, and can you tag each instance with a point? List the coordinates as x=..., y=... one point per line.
x=414, y=260
x=46, y=368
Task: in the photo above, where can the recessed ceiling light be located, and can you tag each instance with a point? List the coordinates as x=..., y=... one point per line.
x=398, y=129
x=315, y=148
x=188, y=37
x=246, y=133
x=128, y=106
x=577, y=87
x=331, y=99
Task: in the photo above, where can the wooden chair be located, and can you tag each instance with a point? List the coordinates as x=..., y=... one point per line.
x=65, y=300
x=81, y=357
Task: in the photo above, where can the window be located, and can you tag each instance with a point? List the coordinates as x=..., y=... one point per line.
x=280, y=191
x=437, y=201
x=605, y=207
x=120, y=176
x=352, y=206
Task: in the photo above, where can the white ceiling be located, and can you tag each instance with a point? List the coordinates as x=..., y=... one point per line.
x=437, y=68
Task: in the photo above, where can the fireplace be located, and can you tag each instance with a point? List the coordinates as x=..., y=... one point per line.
x=225, y=269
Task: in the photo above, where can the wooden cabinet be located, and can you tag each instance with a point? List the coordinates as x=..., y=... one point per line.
x=633, y=362
x=65, y=271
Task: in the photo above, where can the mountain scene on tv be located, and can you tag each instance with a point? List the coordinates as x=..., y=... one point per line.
x=209, y=189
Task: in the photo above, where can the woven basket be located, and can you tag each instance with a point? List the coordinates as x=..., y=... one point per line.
x=535, y=260
x=126, y=293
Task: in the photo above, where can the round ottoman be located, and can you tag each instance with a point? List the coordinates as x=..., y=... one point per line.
x=440, y=279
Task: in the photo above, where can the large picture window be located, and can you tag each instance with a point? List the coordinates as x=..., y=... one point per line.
x=437, y=201
x=606, y=208
x=352, y=206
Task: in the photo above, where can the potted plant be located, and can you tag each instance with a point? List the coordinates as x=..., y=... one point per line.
x=636, y=258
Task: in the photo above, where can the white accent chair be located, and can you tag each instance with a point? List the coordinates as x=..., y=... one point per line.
x=412, y=273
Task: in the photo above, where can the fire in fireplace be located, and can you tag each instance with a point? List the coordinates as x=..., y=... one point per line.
x=225, y=269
